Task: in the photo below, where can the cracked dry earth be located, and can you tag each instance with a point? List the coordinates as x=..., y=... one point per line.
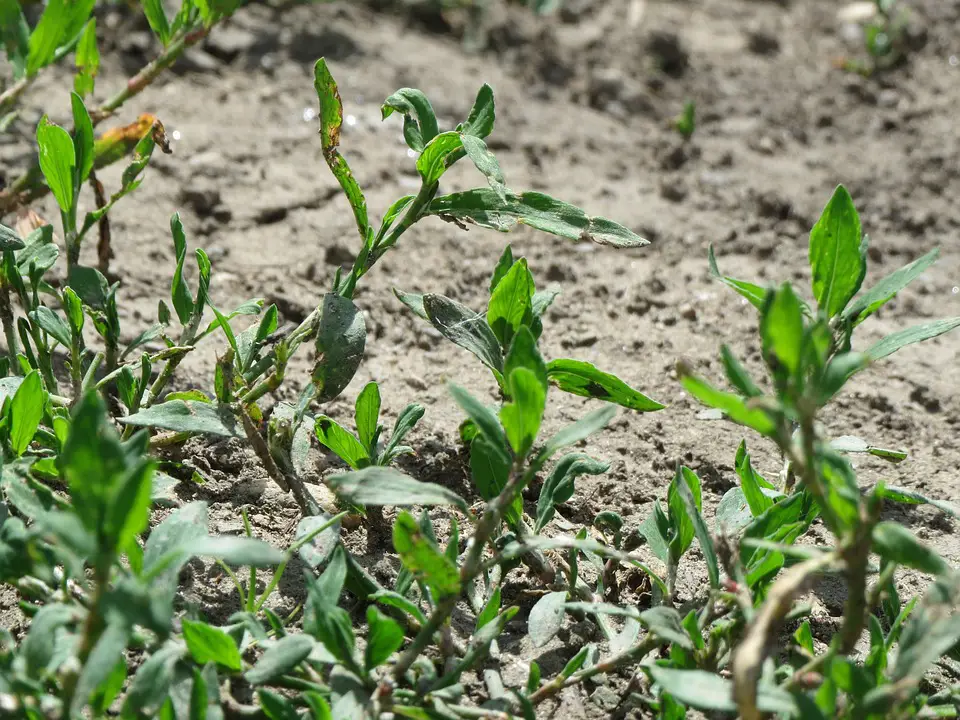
x=585, y=100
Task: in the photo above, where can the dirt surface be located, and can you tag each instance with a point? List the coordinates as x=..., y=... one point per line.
x=585, y=100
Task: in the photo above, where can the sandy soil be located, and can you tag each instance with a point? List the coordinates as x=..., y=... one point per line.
x=584, y=104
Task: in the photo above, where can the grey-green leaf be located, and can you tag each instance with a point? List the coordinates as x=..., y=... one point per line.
x=546, y=618
x=463, y=327
x=341, y=338
x=891, y=343
x=483, y=207
x=280, y=658
x=871, y=300
x=188, y=416
x=386, y=486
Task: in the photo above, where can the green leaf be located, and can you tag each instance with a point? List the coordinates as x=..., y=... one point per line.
x=406, y=421
x=575, y=663
x=423, y=558
x=209, y=644
x=383, y=640
x=504, y=264
x=87, y=60
x=9, y=240
x=580, y=430
x=483, y=417
x=385, y=486
x=396, y=600
x=341, y=338
x=38, y=649
x=57, y=160
x=932, y=630
x=751, y=482
x=367, y=415
x=582, y=378
x=483, y=207
x=665, y=623
x=59, y=24
x=706, y=691
x=837, y=257
x=152, y=683
x=341, y=441
x=26, y=410
x=891, y=343
x=482, y=115
x=781, y=328
x=435, y=158
x=546, y=618
x=521, y=416
x=103, y=659
x=490, y=468
x=280, y=658
x=803, y=636
x=558, y=488
x=897, y=544
x=315, y=552
x=510, y=303
x=412, y=301
x=486, y=163
x=490, y=609
x=157, y=19
x=733, y=406
x=755, y=294
x=737, y=374
x=419, y=120
x=82, y=139
x=464, y=328
x=533, y=678
x=910, y=497
x=868, y=302
x=681, y=522
x=179, y=290
x=687, y=491
x=188, y=416
x=853, y=444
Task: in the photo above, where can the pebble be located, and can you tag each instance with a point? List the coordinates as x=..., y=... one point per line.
x=195, y=60
x=673, y=189
x=761, y=42
x=671, y=56
x=228, y=41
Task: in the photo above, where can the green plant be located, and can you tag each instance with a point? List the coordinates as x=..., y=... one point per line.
x=686, y=122
x=886, y=38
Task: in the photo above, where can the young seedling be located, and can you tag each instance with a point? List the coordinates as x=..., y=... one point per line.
x=686, y=122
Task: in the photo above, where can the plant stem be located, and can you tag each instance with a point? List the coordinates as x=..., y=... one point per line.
x=9, y=97
x=9, y=328
x=631, y=655
x=488, y=523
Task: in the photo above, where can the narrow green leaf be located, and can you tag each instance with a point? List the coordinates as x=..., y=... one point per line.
x=406, y=421
x=737, y=374
x=383, y=640
x=482, y=115
x=52, y=324
x=897, y=544
x=209, y=644
x=546, y=618
x=582, y=378
x=87, y=60
x=781, y=328
x=837, y=259
x=280, y=658
x=483, y=207
x=522, y=415
x=367, y=412
x=464, y=328
x=733, y=406
x=490, y=610
x=910, y=497
x=558, y=488
x=435, y=158
x=503, y=267
x=396, y=600
x=157, y=19
x=699, y=526
x=412, y=301
x=580, y=430
x=510, y=303
x=422, y=557
x=238, y=551
x=57, y=161
x=419, y=120
x=82, y=139
x=179, y=290
x=873, y=299
x=26, y=410
x=486, y=162
x=385, y=486
x=891, y=343
x=484, y=418
x=755, y=294
x=706, y=691
x=751, y=482
x=341, y=441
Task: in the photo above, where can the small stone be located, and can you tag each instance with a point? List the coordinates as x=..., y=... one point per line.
x=606, y=85
x=888, y=98
x=762, y=42
x=202, y=200
x=338, y=255
x=673, y=190
x=688, y=312
x=605, y=698
x=136, y=43
x=670, y=54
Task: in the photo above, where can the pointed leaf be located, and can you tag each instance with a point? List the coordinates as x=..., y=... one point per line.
x=279, y=659
x=465, y=328
x=422, y=557
x=188, y=416
x=582, y=378
x=385, y=486
x=836, y=257
x=869, y=301
x=341, y=441
x=891, y=343
x=367, y=412
x=546, y=618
